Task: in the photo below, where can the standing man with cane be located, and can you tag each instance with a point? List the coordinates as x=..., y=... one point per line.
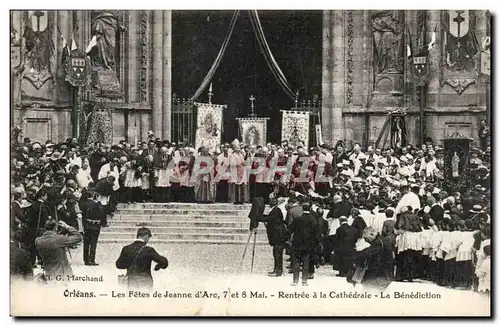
x=276, y=234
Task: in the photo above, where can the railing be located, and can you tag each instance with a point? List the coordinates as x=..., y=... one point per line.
x=183, y=120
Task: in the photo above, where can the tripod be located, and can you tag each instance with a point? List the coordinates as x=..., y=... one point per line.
x=254, y=233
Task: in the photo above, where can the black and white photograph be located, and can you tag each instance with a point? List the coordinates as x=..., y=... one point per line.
x=244, y=163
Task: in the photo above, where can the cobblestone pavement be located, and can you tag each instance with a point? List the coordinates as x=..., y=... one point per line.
x=214, y=268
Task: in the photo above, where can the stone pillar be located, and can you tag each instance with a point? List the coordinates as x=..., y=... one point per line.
x=157, y=87
x=167, y=74
x=333, y=88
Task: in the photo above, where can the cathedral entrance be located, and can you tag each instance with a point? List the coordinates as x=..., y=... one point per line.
x=243, y=70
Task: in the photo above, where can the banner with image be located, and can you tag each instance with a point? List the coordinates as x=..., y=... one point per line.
x=209, y=125
x=295, y=128
x=253, y=131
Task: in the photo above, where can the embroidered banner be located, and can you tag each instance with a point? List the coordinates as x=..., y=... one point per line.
x=209, y=122
x=295, y=128
x=253, y=131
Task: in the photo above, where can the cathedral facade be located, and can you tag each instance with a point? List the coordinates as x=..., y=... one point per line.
x=422, y=66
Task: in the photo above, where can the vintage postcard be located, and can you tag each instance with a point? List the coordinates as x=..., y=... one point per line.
x=250, y=163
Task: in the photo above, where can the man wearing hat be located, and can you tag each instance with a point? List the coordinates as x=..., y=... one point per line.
x=52, y=247
x=93, y=218
x=305, y=239
x=344, y=246
x=137, y=257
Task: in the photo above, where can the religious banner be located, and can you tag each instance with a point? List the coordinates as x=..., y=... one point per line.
x=459, y=40
x=209, y=125
x=295, y=128
x=253, y=131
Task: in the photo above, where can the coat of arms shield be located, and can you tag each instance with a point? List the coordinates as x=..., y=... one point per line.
x=77, y=69
x=420, y=68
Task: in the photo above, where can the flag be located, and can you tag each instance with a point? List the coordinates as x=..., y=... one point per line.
x=408, y=43
x=433, y=39
x=65, y=54
x=93, y=42
x=73, y=43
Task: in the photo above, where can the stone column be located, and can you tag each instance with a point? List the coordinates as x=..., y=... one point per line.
x=333, y=75
x=167, y=74
x=157, y=88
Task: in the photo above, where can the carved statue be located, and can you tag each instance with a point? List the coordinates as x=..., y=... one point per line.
x=455, y=161
x=105, y=26
x=388, y=42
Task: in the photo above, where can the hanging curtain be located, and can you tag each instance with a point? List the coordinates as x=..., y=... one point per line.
x=218, y=59
x=268, y=56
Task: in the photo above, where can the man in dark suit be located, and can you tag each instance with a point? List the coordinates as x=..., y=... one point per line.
x=92, y=217
x=345, y=246
x=137, y=257
x=276, y=234
x=436, y=212
x=305, y=236
x=294, y=210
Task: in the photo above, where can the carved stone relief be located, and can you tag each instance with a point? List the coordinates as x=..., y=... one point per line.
x=350, y=57
x=388, y=53
x=143, y=77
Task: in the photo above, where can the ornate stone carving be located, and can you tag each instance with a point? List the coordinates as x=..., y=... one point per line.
x=420, y=37
x=460, y=84
x=350, y=59
x=143, y=77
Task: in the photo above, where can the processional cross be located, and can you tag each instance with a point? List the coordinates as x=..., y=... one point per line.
x=38, y=14
x=459, y=20
x=252, y=99
x=210, y=94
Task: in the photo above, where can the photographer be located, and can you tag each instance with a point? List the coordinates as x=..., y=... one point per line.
x=52, y=245
x=137, y=257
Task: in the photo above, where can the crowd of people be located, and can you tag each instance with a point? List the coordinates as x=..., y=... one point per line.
x=396, y=199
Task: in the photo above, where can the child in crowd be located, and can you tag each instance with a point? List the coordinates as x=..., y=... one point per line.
x=483, y=272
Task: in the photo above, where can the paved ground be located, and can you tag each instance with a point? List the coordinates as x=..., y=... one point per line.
x=214, y=269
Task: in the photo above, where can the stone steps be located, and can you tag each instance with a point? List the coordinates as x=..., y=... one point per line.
x=179, y=217
x=169, y=211
x=182, y=223
x=179, y=223
x=183, y=229
x=223, y=206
